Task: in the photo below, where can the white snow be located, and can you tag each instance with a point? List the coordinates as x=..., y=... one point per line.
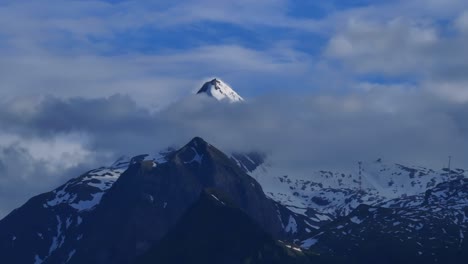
x=309, y=242
x=279, y=217
x=216, y=198
x=121, y=163
x=221, y=91
x=70, y=255
x=297, y=210
x=462, y=237
x=90, y=204
x=160, y=158
x=197, y=158
x=237, y=161
x=61, y=196
x=292, y=225
x=55, y=240
x=322, y=217
x=102, y=179
x=294, y=248
x=332, y=194
x=356, y=220
x=37, y=260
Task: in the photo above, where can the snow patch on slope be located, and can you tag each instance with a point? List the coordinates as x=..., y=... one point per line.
x=325, y=195
x=220, y=90
x=292, y=225
x=37, y=260
x=197, y=158
x=88, y=204
x=85, y=193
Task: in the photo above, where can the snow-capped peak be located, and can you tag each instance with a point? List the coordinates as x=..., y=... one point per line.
x=220, y=90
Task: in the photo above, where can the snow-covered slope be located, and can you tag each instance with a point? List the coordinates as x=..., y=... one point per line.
x=335, y=194
x=133, y=203
x=85, y=192
x=342, y=208
x=59, y=215
x=426, y=228
x=220, y=90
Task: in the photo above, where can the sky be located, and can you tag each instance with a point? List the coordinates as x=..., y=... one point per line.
x=326, y=83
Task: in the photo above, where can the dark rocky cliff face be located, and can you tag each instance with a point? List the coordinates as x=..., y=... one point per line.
x=214, y=230
x=148, y=200
x=46, y=228
x=115, y=214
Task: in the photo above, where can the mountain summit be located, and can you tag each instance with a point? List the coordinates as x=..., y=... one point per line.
x=114, y=215
x=220, y=90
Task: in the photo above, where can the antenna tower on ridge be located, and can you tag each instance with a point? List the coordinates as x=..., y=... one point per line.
x=449, y=163
x=360, y=176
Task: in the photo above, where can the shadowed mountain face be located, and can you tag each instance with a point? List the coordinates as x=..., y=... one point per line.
x=116, y=214
x=214, y=230
x=148, y=200
x=382, y=213
x=47, y=223
x=91, y=219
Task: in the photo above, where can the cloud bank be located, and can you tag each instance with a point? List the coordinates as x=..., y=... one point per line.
x=327, y=84
x=50, y=143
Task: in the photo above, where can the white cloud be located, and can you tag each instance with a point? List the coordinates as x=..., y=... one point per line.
x=462, y=22
x=456, y=91
x=32, y=166
x=392, y=47
x=51, y=49
x=425, y=46
x=154, y=80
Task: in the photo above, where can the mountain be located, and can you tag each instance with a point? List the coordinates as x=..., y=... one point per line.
x=43, y=227
x=220, y=90
x=249, y=161
x=215, y=230
x=326, y=195
x=196, y=202
x=425, y=228
x=110, y=216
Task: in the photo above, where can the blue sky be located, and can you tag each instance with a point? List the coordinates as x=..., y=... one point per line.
x=166, y=49
x=83, y=81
